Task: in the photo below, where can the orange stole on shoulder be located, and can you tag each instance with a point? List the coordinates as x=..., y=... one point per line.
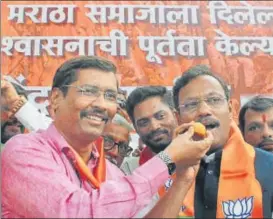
x=239, y=192
x=99, y=171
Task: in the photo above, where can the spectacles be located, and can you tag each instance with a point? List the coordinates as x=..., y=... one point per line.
x=123, y=148
x=121, y=103
x=193, y=105
x=94, y=91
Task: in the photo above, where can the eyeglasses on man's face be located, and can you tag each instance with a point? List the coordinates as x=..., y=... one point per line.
x=193, y=105
x=123, y=147
x=94, y=92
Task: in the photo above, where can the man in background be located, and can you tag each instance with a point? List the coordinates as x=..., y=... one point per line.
x=151, y=110
x=152, y=113
x=122, y=97
x=256, y=122
x=117, y=139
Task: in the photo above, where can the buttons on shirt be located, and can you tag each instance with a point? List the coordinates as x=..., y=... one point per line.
x=210, y=172
x=206, y=207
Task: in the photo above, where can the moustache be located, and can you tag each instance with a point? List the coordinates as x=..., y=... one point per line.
x=96, y=112
x=266, y=141
x=157, y=132
x=207, y=121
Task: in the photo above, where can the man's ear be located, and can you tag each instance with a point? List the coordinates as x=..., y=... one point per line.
x=56, y=97
x=230, y=109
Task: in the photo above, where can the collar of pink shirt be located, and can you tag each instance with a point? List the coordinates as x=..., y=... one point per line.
x=61, y=145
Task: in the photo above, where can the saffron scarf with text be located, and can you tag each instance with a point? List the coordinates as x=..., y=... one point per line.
x=239, y=192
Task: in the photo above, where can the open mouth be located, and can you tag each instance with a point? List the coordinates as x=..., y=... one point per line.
x=267, y=146
x=96, y=117
x=210, y=123
x=212, y=126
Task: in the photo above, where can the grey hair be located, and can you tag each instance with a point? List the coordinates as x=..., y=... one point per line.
x=120, y=120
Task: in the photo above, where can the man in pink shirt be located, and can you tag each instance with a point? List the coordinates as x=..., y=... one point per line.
x=44, y=173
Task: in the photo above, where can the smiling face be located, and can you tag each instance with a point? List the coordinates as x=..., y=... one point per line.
x=155, y=123
x=203, y=100
x=258, y=129
x=89, y=103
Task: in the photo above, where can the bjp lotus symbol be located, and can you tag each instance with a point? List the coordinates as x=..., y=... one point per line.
x=241, y=208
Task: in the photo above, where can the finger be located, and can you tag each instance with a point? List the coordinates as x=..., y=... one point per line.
x=189, y=133
x=207, y=142
x=186, y=135
x=182, y=128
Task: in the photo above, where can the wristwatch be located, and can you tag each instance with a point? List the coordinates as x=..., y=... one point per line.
x=168, y=161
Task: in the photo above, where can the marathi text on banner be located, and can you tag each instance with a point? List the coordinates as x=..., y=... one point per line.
x=115, y=45
x=246, y=14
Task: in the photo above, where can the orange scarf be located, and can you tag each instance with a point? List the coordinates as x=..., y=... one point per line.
x=99, y=171
x=239, y=193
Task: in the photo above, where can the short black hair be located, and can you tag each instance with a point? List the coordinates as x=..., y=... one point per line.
x=140, y=94
x=192, y=73
x=66, y=74
x=258, y=103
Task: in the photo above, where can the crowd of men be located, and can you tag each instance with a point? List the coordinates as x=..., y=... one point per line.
x=77, y=164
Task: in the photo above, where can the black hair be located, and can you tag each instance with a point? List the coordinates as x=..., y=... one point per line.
x=67, y=72
x=258, y=103
x=140, y=94
x=192, y=73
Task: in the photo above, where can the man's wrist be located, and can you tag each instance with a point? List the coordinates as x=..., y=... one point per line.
x=164, y=156
x=182, y=184
x=171, y=153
